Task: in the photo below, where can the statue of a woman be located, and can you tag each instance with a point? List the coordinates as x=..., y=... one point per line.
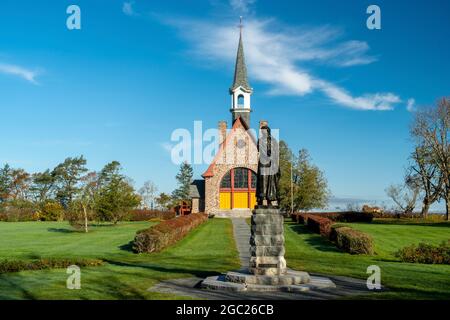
x=268, y=175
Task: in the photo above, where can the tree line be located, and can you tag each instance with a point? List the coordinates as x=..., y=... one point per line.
x=427, y=177
x=70, y=191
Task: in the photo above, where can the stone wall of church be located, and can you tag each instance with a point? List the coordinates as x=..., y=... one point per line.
x=240, y=151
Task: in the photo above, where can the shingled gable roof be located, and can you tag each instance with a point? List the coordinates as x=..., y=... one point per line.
x=238, y=123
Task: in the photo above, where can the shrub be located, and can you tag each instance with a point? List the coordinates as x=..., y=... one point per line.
x=22, y=265
x=346, y=216
x=319, y=225
x=144, y=215
x=51, y=211
x=168, y=232
x=353, y=216
x=18, y=210
x=426, y=253
x=352, y=241
x=299, y=217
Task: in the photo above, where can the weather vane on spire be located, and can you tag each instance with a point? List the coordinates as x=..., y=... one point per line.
x=240, y=24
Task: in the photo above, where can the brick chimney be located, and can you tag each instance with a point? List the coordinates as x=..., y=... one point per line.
x=222, y=131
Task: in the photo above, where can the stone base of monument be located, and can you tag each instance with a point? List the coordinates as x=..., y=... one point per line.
x=291, y=281
x=267, y=269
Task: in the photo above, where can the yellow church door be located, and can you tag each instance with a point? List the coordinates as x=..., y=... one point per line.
x=225, y=200
x=237, y=189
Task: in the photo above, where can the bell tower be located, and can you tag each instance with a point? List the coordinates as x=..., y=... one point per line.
x=240, y=91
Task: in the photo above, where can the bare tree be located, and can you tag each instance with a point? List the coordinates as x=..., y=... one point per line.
x=431, y=130
x=425, y=168
x=405, y=196
x=148, y=193
x=82, y=207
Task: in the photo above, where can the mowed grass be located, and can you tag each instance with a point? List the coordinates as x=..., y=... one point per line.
x=313, y=253
x=208, y=250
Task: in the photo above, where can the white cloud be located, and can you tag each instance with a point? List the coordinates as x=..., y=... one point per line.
x=127, y=8
x=278, y=56
x=410, y=105
x=167, y=146
x=241, y=5
x=19, y=71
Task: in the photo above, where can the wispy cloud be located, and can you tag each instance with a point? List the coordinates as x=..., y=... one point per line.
x=166, y=146
x=411, y=105
x=242, y=6
x=19, y=71
x=128, y=9
x=279, y=56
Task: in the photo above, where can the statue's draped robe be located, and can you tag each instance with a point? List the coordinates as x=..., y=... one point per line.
x=268, y=174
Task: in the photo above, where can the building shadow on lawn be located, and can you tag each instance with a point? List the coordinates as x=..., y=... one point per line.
x=317, y=242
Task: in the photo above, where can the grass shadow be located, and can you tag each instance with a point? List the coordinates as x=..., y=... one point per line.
x=316, y=241
x=166, y=270
x=127, y=247
x=62, y=230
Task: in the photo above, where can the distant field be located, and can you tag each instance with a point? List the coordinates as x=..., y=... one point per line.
x=313, y=253
x=208, y=250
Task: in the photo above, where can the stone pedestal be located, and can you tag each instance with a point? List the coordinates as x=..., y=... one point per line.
x=267, y=242
x=267, y=270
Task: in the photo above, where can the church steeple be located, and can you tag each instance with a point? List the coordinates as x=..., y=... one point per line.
x=240, y=90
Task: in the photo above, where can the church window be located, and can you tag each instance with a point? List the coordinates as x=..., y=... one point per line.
x=226, y=180
x=240, y=178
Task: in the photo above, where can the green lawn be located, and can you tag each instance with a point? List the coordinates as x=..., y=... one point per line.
x=311, y=252
x=210, y=249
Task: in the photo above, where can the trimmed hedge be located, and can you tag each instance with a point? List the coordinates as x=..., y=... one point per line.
x=351, y=240
x=426, y=253
x=166, y=233
x=299, y=217
x=41, y=264
x=346, y=216
x=144, y=215
x=319, y=225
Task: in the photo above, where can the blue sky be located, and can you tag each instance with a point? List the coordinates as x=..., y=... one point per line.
x=137, y=70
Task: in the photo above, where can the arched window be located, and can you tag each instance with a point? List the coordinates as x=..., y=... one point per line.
x=237, y=189
x=226, y=181
x=240, y=101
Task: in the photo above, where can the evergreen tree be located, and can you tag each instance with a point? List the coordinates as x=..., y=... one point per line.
x=184, y=180
x=67, y=176
x=115, y=196
x=5, y=183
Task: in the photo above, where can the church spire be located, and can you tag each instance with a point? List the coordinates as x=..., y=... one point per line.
x=240, y=71
x=240, y=91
